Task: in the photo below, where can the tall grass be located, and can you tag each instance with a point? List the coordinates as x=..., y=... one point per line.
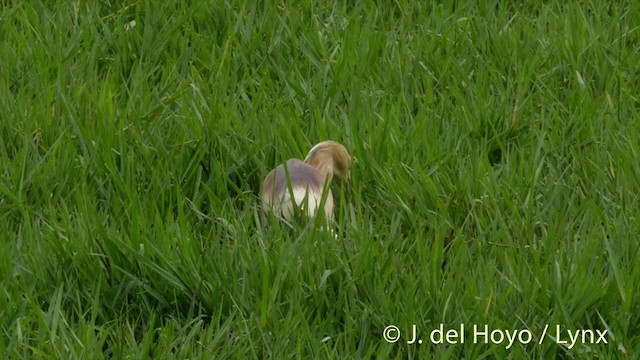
x=496, y=178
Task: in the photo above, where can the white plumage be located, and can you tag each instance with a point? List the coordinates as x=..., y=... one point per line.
x=301, y=184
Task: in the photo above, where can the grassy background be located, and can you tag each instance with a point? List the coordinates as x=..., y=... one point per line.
x=497, y=178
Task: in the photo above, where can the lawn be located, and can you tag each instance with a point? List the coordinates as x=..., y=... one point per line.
x=494, y=201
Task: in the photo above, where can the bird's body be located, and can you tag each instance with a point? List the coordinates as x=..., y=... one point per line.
x=298, y=184
x=307, y=185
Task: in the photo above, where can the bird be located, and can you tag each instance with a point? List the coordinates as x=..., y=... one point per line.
x=308, y=180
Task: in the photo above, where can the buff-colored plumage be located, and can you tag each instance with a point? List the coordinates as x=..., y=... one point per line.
x=308, y=179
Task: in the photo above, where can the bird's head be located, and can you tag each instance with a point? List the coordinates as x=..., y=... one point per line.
x=330, y=158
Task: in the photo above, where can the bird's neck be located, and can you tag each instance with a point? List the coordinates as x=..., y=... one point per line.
x=327, y=171
x=324, y=165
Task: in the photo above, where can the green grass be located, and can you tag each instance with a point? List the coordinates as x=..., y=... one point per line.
x=497, y=178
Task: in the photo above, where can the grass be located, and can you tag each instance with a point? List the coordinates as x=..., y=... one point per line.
x=496, y=182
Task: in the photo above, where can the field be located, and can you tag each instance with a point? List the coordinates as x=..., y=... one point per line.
x=496, y=179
